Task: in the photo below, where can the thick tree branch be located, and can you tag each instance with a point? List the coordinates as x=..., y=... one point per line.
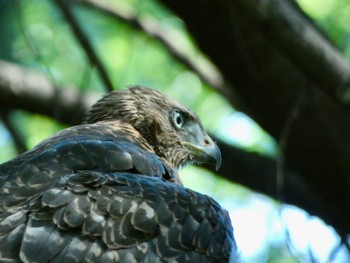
x=301, y=42
x=258, y=173
x=30, y=91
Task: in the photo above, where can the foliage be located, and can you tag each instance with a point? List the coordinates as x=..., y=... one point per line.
x=333, y=17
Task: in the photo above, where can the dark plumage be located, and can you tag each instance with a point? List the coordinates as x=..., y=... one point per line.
x=108, y=190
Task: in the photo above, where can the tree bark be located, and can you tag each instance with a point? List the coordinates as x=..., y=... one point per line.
x=293, y=82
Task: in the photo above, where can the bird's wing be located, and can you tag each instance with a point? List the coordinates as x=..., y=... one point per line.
x=88, y=195
x=116, y=217
x=107, y=146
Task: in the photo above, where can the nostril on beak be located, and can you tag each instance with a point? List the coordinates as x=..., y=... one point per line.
x=206, y=141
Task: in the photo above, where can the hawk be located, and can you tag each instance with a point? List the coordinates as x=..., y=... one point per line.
x=109, y=191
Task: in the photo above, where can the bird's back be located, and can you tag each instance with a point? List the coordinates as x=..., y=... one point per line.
x=98, y=193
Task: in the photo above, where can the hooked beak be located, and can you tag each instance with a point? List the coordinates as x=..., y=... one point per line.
x=209, y=152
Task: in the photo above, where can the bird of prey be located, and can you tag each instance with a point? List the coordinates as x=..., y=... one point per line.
x=108, y=190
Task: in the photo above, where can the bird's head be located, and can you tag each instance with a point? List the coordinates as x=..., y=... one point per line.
x=172, y=130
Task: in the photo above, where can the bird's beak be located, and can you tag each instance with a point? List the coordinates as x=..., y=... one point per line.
x=206, y=152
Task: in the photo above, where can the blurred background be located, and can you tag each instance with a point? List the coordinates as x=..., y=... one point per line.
x=86, y=48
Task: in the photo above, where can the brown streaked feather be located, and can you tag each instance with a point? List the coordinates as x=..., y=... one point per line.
x=147, y=110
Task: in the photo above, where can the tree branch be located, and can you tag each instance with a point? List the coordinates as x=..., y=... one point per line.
x=205, y=70
x=85, y=43
x=258, y=173
x=300, y=41
x=30, y=91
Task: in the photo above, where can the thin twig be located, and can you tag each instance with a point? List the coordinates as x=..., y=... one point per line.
x=85, y=43
x=282, y=144
x=280, y=164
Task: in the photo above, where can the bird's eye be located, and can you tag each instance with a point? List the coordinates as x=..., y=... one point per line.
x=178, y=119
